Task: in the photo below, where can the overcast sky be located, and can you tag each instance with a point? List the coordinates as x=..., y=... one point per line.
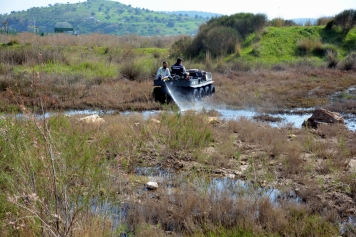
x=287, y=9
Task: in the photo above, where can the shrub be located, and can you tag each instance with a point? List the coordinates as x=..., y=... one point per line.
x=130, y=70
x=220, y=35
x=13, y=41
x=220, y=40
x=332, y=60
x=329, y=25
x=318, y=49
x=280, y=22
x=41, y=182
x=256, y=49
x=346, y=20
x=323, y=21
x=277, y=22
x=181, y=47
x=349, y=63
x=308, y=45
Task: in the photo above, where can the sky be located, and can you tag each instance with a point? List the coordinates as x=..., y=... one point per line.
x=286, y=9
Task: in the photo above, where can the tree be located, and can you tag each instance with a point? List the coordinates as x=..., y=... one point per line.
x=346, y=20
x=170, y=24
x=221, y=34
x=220, y=40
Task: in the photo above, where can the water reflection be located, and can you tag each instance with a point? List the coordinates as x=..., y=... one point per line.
x=295, y=118
x=216, y=187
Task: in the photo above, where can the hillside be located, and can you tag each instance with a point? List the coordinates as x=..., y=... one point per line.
x=102, y=16
x=278, y=44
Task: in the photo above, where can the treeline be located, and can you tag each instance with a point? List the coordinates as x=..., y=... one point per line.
x=225, y=35
x=220, y=35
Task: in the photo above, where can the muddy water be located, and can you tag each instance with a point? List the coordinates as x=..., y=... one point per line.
x=293, y=118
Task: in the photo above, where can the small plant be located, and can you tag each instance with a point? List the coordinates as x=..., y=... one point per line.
x=332, y=59
x=13, y=41
x=130, y=70
x=349, y=63
x=308, y=45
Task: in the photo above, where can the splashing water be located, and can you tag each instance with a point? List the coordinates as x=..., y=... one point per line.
x=179, y=99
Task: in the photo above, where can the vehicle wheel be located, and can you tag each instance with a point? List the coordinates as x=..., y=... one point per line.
x=195, y=95
x=167, y=99
x=201, y=93
x=212, y=89
x=207, y=91
x=157, y=94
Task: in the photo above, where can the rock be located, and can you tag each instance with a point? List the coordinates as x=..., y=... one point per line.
x=230, y=176
x=218, y=171
x=351, y=166
x=322, y=116
x=178, y=165
x=291, y=136
x=151, y=185
x=92, y=119
x=156, y=121
x=213, y=120
x=209, y=150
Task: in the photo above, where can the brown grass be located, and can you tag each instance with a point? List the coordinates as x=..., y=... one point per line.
x=92, y=40
x=288, y=162
x=186, y=205
x=190, y=213
x=238, y=84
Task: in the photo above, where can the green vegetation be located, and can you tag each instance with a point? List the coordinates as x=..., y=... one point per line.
x=63, y=176
x=101, y=16
x=245, y=37
x=220, y=35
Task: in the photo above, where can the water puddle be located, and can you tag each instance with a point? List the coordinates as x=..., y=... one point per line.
x=212, y=186
x=217, y=189
x=294, y=118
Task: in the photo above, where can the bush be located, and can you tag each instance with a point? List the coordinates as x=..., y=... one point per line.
x=349, y=63
x=332, y=60
x=181, y=47
x=308, y=45
x=346, y=20
x=130, y=70
x=280, y=22
x=323, y=21
x=220, y=40
x=220, y=35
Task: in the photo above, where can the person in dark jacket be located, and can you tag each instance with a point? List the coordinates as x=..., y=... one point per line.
x=179, y=69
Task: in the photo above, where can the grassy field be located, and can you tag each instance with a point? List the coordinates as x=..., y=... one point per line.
x=62, y=176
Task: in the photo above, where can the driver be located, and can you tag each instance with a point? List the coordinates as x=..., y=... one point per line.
x=179, y=69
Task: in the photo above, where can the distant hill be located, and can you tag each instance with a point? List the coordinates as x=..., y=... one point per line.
x=196, y=14
x=107, y=17
x=304, y=21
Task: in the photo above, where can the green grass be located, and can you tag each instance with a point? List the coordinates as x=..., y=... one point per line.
x=105, y=17
x=222, y=232
x=280, y=44
x=85, y=69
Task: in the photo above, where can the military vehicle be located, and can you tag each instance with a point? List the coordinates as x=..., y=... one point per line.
x=193, y=86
